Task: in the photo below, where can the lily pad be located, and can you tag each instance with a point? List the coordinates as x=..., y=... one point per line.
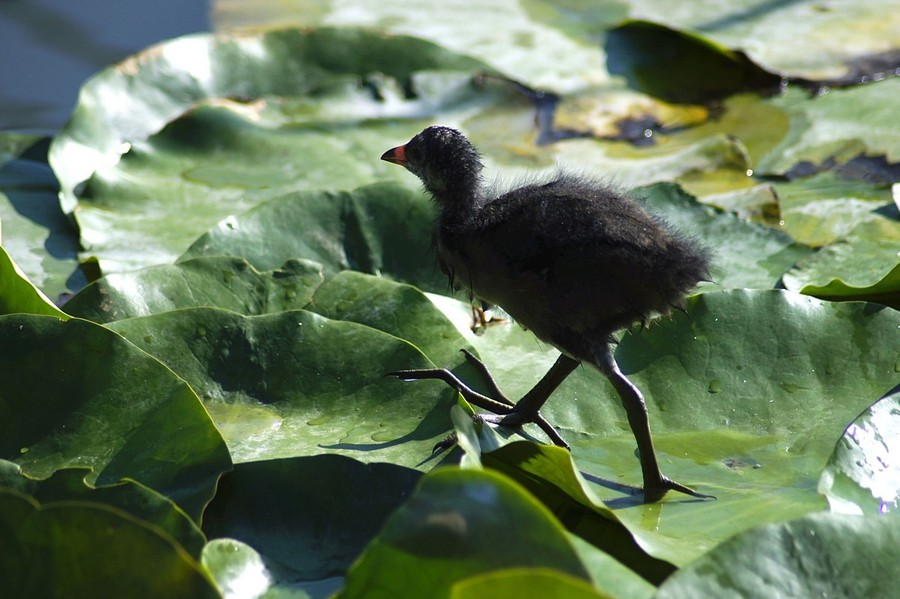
x=298, y=384
x=380, y=229
x=239, y=571
x=516, y=582
x=165, y=81
x=345, y=503
x=33, y=229
x=72, y=548
x=458, y=524
x=817, y=555
x=824, y=208
x=745, y=255
x=398, y=309
x=681, y=67
x=838, y=125
x=129, y=496
x=222, y=282
x=19, y=295
x=852, y=269
x=70, y=399
x=803, y=39
x=863, y=475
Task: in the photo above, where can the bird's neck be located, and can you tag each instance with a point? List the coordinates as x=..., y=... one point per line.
x=458, y=198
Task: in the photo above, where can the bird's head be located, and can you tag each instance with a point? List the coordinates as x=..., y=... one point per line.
x=446, y=162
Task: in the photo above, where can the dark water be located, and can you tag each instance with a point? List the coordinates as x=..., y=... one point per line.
x=48, y=48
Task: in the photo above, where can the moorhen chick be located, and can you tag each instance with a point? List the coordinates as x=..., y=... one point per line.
x=571, y=260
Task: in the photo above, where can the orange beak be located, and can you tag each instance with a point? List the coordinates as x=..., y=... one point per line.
x=397, y=156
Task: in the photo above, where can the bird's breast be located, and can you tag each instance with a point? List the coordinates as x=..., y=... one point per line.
x=477, y=267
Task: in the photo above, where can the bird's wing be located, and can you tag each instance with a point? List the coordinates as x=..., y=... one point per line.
x=536, y=226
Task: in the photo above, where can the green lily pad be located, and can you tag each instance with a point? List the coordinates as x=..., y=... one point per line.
x=345, y=503
x=222, y=282
x=33, y=229
x=298, y=384
x=821, y=209
x=398, y=309
x=379, y=229
x=522, y=40
x=803, y=39
x=128, y=496
x=863, y=475
x=681, y=67
x=518, y=582
x=838, y=125
x=851, y=269
x=610, y=575
x=457, y=524
x=239, y=571
x=163, y=82
x=19, y=295
x=70, y=399
x=745, y=255
x=550, y=475
x=554, y=41
x=74, y=548
x=820, y=555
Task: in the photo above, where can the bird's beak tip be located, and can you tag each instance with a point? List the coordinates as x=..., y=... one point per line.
x=396, y=155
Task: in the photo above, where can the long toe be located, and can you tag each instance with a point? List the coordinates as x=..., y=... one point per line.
x=655, y=491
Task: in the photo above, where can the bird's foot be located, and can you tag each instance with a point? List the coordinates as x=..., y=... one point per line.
x=502, y=411
x=658, y=486
x=483, y=317
x=445, y=443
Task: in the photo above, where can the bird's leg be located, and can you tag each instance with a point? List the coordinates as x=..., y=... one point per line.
x=504, y=412
x=527, y=409
x=655, y=483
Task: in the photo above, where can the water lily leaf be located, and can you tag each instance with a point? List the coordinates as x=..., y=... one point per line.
x=822, y=554
x=525, y=41
x=857, y=268
x=823, y=208
x=72, y=548
x=548, y=40
x=398, y=309
x=516, y=582
x=33, y=229
x=550, y=475
x=19, y=295
x=222, y=282
x=128, y=496
x=839, y=126
x=681, y=67
x=457, y=524
x=863, y=475
x=610, y=575
x=70, y=400
x=345, y=503
x=380, y=229
x=801, y=39
x=744, y=254
x=298, y=384
x=154, y=87
x=239, y=571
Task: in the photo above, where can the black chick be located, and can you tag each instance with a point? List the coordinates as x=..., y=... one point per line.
x=571, y=260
